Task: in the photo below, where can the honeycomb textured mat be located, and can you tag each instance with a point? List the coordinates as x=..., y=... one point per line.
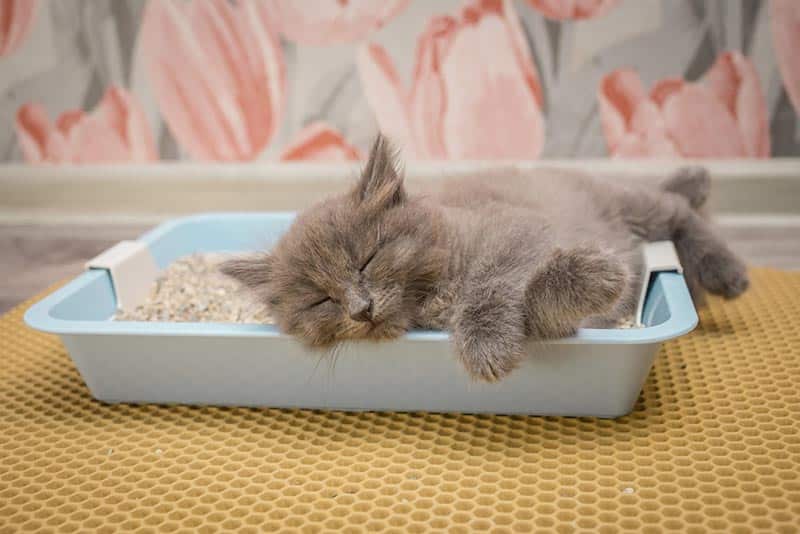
x=713, y=444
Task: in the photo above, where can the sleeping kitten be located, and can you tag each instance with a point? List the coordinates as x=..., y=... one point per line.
x=497, y=258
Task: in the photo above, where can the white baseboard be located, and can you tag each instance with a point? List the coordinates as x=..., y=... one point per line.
x=145, y=194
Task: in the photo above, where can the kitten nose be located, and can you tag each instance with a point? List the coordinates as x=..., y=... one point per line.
x=360, y=309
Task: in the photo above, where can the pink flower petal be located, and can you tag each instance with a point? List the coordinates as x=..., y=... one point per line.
x=218, y=75
x=16, y=21
x=116, y=131
x=647, y=120
x=68, y=119
x=647, y=137
x=521, y=48
x=176, y=70
x=319, y=142
x=621, y=94
x=436, y=126
x=505, y=9
x=272, y=65
x=428, y=101
x=573, y=9
x=633, y=146
x=632, y=124
x=38, y=138
x=216, y=29
x=385, y=94
x=723, y=117
x=492, y=112
x=322, y=22
x=666, y=88
x=93, y=141
x=701, y=125
x=735, y=81
x=585, y=9
x=119, y=113
x=243, y=47
x=785, y=18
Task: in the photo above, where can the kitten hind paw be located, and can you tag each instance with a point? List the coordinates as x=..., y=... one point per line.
x=722, y=273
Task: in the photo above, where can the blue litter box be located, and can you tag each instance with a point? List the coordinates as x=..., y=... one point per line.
x=595, y=373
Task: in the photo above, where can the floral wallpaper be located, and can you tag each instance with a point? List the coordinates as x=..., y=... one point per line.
x=91, y=81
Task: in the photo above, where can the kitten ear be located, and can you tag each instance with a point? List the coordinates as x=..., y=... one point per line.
x=381, y=183
x=252, y=271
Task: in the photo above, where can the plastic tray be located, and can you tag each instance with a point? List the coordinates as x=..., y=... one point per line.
x=596, y=372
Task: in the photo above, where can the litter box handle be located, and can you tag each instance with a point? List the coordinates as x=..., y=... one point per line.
x=659, y=257
x=132, y=269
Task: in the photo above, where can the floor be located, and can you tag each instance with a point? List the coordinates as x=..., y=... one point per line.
x=710, y=446
x=32, y=257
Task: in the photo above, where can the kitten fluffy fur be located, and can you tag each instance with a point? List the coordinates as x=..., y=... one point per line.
x=497, y=259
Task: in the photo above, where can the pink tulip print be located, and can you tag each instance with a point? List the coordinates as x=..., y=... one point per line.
x=475, y=92
x=16, y=20
x=785, y=18
x=312, y=80
x=218, y=74
x=722, y=116
x=319, y=142
x=116, y=131
x=573, y=9
x=323, y=22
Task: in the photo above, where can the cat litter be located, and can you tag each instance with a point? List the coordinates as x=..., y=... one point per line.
x=192, y=289
x=187, y=335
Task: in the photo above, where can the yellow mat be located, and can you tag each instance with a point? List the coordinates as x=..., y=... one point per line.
x=714, y=443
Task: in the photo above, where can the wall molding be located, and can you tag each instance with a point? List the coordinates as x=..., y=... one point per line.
x=149, y=193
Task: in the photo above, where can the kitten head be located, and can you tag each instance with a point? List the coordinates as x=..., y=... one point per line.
x=355, y=266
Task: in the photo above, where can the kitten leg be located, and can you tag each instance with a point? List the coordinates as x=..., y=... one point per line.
x=694, y=184
x=496, y=316
x=572, y=285
x=488, y=331
x=705, y=256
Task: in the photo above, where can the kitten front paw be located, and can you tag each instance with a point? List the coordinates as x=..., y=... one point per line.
x=488, y=331
x=722, y=273
x=489, y=359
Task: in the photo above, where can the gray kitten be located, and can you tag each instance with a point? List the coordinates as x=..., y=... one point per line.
x=497, y=258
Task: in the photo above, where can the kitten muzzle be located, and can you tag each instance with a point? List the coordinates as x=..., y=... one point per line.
x=359, y=307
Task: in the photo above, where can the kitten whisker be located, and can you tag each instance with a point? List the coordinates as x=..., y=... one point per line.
x=337, y=350
x=316, y=365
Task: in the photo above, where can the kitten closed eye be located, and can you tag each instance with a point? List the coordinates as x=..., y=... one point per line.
x=369, y=260
x=320, y=302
